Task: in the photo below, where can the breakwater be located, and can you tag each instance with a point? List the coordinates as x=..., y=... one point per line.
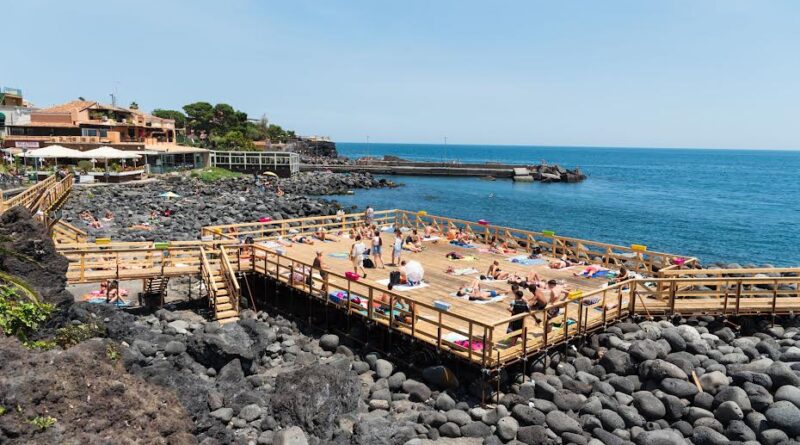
x=517, y=172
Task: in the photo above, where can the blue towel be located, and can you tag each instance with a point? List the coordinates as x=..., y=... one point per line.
x=102, y=300
x=528, y=261
x=463, y=245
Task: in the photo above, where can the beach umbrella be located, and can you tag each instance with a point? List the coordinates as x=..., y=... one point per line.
x=105, y=152
x=414, y=271
x=169, y=195
x=270, y=174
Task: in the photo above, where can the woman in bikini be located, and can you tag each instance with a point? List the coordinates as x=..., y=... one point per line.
x=495, y=272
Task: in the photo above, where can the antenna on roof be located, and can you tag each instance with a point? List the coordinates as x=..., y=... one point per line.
x=113, y=100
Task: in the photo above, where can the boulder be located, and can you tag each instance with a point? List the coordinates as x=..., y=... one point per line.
x=314, y=397
x=290, y=436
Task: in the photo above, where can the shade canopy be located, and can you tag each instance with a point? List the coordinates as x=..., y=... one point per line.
x=52, y=151
x=106, y=152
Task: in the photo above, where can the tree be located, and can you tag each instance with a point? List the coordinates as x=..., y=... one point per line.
x=276, y=134
x=199, y=116
x=177, y=116
x=233, y=140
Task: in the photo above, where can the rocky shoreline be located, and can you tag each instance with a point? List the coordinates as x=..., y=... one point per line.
x=267, y=379
x=226, y=201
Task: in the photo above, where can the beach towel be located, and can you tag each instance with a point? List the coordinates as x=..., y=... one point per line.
x=102, y=300
x=466, y=258
x=269, y=244
x=477, y=345
x=499, y=297
x=432, y=238
x=453, y=337
x=525, y=261
x=462, y=245
x=339, y=255
x=467, y=271
x=402, y=287
x=388, y=229
x=601, y=274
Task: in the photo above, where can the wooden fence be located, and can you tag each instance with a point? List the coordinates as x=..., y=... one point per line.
x=28, y=197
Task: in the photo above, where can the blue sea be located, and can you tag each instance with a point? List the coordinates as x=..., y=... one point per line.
x=725, y=206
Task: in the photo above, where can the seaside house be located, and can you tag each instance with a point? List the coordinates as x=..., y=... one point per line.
x=85, y=125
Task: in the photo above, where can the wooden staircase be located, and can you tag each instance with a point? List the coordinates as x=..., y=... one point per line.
x=66, y=233
x=156, y=285
x=222, y=285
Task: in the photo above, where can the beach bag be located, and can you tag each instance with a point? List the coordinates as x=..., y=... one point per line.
x=352, y=276
x=368, y=264
x=394, y=278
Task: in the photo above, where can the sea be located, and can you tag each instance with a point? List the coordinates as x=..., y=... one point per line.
x=721, y=206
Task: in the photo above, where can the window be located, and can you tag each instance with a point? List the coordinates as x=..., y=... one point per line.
x=103, y=133
x=88, y=132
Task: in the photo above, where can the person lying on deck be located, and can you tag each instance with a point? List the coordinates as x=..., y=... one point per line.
x=323, y=235
x=302, y=239
x=474, y=292
x=495, y=272
x=622, y=275
x=563, y=263
x=590, y=271
x=402, y=311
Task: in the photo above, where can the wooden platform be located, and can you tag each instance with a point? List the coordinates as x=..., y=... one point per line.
x=666, y=284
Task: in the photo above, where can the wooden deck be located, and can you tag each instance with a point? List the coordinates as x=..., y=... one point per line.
x=477, y=333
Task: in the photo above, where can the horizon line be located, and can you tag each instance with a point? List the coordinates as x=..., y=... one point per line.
x=571, y=146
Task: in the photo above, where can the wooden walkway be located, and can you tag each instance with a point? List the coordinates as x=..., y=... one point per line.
x=665, y=284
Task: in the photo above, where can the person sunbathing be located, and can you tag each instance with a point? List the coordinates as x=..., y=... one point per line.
x=563, y=263
x=323, y=235
x=91, y=221
x=409, y=244
x=452, y=234
x=622, y=275
x=430, y=231
x=279, y=192
x=302, y=239
x=590, y=271
x=495, y=272
x=474, y=292
x=464, y=237
x=108, y=216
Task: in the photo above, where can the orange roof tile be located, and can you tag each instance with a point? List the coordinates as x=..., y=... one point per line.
x=69, y=106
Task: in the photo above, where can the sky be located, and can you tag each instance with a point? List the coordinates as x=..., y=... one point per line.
x=654, y=73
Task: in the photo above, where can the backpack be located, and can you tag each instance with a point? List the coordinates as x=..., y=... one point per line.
x=368, y=264
x=394, y=277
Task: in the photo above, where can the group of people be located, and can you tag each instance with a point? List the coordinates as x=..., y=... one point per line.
x=92, y=221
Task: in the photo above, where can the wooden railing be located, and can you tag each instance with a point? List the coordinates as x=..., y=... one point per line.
x=66, y=233
x=637, y=257
x=28, y=197
x=106, y=263
x=229, y=276
x=260, y=231
x=207, y=275
x=53, y=195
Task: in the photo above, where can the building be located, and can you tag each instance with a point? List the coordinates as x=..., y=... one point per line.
x=85, y=125
x=282, y=163
x=14, y=110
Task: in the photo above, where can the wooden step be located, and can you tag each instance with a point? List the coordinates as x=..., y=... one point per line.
x=222, y=293
x=226, y=314
x=222, y=299
x=222, y=307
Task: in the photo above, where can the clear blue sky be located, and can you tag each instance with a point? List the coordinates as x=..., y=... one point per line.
x=674, y=73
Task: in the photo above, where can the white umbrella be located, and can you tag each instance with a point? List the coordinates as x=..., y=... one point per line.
x=106, y=152
x=51, y=152
x=414, y=271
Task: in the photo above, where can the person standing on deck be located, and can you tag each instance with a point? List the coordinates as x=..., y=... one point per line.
x=357, y=256
x=369, y=215
x=397, y=247
x=377, y=244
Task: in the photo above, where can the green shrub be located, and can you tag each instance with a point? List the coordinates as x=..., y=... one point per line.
x=20, y=315
x=112, y=352
x=71, y=335
x=85, y=166
x=44, y=345
x=43, y=422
